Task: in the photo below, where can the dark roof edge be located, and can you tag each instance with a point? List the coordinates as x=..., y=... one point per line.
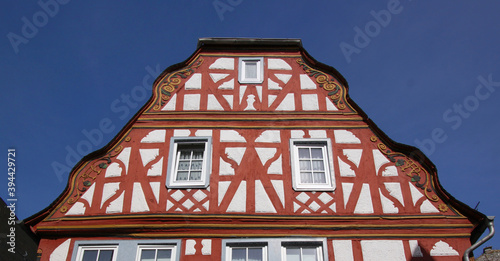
x=268, y=42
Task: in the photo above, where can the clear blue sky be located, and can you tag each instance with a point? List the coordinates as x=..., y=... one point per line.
x=415, y=67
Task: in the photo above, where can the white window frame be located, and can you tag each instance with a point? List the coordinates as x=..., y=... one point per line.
x=83, y=248
x=156, y=247
x=300, y=245
x=175, y=143
x=242, y=70
x=273, y=247
x=326, y=146
x=231, y=246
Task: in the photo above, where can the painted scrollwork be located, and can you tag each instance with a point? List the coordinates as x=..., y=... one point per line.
x=89, y=174
x=420, y=176
x=172, y=82
x=335, y=91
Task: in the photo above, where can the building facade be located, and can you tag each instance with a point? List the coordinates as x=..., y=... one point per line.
x=253, y=150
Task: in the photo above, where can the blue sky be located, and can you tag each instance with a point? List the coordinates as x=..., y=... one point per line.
x=426, y=72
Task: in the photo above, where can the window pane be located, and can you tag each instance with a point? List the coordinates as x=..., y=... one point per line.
x=148, y=255
x=309, y=254
x=318, y=165
x=251, y=69
x=305, y=165
x=319, y=177
x=238, y=254
x=306, y=177
x=183, y=165
x=317, y=153
x=198, y=154
x=255, y=254
x=90, y=255
x=195, y=175
x=196, y=164
x=105, y=255
x=304, y=153
x=185, y=154
x=293, y=254
x=182, y=175
x=164, y=255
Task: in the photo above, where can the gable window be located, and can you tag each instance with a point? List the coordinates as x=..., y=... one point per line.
x=251, y=70
x=96, y=253
x=311, y=164
x=189, y=162
x=156, y=253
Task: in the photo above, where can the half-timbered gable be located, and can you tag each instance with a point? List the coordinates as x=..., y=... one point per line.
x=253, y=150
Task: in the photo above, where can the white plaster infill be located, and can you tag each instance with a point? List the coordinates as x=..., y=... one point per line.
x=277, y=64
x=353, y=155
x=156, y=168
x=376, y=250
x=238, y=203
x=139, y=203
x=342, y=250
x=271, y=136
x=288, y=103
x=192, y=102
x=345, y=169
x=272, y=85
x=223, y=64
x=218, y=76
x=194, y=83
x=207, y=247
x=283, y=77
x=265, y=154
x=61, y=252
x=156, y=136
x=263, y=203
x=364, y=205
x=306, y=83
x=310, y=102
x=116, y=206
x=170, y=106
x=442, y=248
x=190, y=249
x=125, y=157
x=229, y=85
x=213, y=104
x=108, y=190
x=345, y=136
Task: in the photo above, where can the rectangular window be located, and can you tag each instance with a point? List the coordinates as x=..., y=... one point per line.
x=251, y=70
x=303, y=253
x=96, y=253
x=156, y=253
x=246, y=252
x=274, y=249
x=189, y=162
x=126, y=250
x=311, y=164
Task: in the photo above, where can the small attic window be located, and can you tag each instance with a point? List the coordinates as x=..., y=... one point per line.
x=251, y=70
